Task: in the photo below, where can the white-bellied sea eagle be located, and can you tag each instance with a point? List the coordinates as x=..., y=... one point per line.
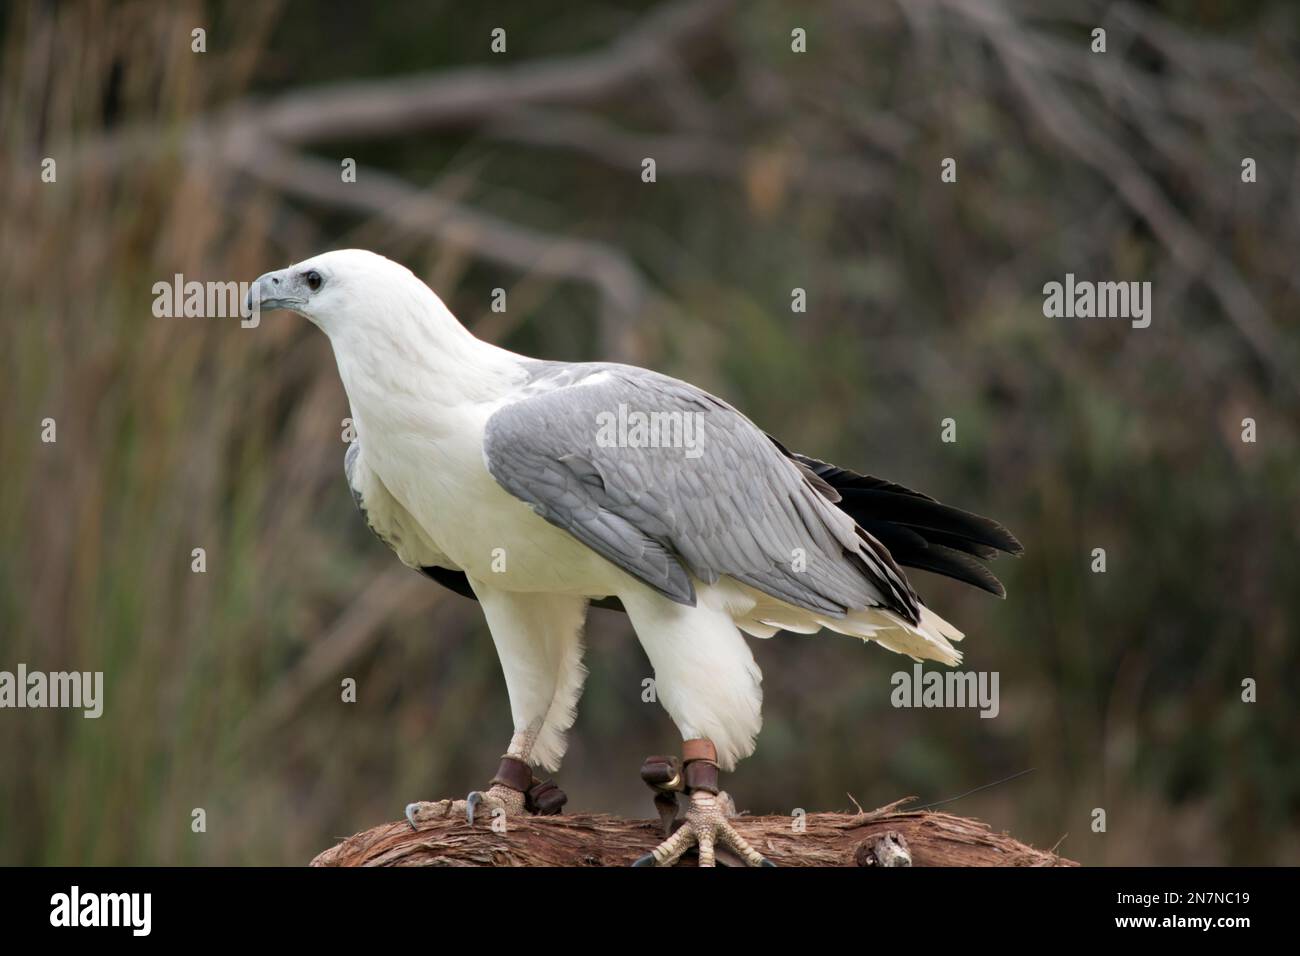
x=541, y=487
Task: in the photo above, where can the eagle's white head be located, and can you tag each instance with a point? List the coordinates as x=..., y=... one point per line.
x=345, y=288
x=388, y=329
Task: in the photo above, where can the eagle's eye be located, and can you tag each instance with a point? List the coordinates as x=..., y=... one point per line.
x=313, y=280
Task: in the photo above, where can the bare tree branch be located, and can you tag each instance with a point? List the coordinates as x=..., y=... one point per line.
x=692, y=154
x=253, y=136
x=388, y=197
x=825, y=839
x=393, y=107
x=1022, y=60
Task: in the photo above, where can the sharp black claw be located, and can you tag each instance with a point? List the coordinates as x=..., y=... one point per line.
x=647, y=860
x=767, y=862
x=471, y=804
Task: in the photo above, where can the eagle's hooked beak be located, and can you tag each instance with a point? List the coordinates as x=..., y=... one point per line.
x=276, y=290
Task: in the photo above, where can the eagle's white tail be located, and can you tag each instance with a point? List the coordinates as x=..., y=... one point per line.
x=929, y=640
x=761, y=616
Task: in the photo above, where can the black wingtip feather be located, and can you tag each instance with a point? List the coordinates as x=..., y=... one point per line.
x=926, y=514
x=914, y=551
x=919, y=531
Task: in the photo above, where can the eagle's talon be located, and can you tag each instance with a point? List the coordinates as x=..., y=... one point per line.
x=706, y=826
x=423, y=811
x=497, y=797
x=511, y=802
x=666, y=804
x=471, y=804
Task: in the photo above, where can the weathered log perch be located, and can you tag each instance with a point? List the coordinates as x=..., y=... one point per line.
x=886, y=837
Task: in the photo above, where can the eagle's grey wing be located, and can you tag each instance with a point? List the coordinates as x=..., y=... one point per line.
x=734, y=505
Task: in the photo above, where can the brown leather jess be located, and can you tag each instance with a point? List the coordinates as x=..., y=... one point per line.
x=701, y=760
x=662, y=773
x=542, y=797
x=514, y=773
x=701, y=748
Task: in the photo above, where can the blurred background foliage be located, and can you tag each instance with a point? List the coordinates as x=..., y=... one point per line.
x=776, y=170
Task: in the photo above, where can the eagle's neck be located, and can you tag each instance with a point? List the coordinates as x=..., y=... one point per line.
x=409, y=366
